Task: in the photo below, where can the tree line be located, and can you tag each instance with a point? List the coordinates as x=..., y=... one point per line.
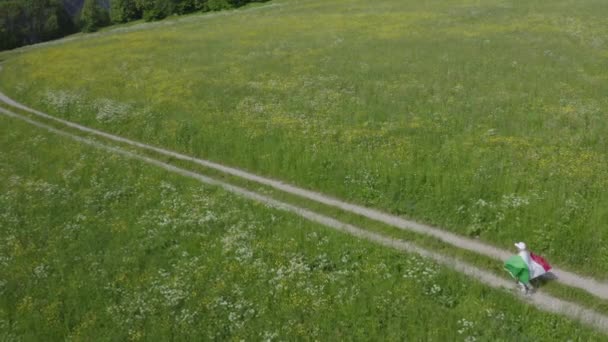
x=24, y=22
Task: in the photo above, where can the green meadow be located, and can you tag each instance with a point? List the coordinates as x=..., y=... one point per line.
x=94, y=246
x=487, y=118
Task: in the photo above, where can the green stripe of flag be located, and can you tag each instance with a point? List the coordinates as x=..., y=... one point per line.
x=518, y=269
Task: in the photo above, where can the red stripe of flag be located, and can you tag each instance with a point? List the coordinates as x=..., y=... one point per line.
x=541, y=261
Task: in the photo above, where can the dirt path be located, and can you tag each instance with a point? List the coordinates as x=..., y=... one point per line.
x=542, y=301
x=593, y=286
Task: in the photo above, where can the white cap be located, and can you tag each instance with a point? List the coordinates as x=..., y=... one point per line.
x=521, y=246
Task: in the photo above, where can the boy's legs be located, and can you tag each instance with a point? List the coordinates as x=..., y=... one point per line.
x=523, y=287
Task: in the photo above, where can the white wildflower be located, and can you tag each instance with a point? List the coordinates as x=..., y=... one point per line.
x=41, y=271
x=109, y=111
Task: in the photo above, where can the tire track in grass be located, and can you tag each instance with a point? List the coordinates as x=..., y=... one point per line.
x=542, y=301
x=589, y=284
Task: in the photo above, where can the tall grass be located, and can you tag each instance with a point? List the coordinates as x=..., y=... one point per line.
x=96, y=247
x=487, y=118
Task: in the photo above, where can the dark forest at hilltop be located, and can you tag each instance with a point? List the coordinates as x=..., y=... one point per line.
x=24, y=22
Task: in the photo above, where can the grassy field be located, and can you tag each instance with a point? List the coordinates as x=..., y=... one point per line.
x=487, y=118
x=94, y=246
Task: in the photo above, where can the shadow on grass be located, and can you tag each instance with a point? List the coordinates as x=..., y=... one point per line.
x=543, y=280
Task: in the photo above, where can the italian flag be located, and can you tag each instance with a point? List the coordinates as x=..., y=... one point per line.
x=526, y=266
